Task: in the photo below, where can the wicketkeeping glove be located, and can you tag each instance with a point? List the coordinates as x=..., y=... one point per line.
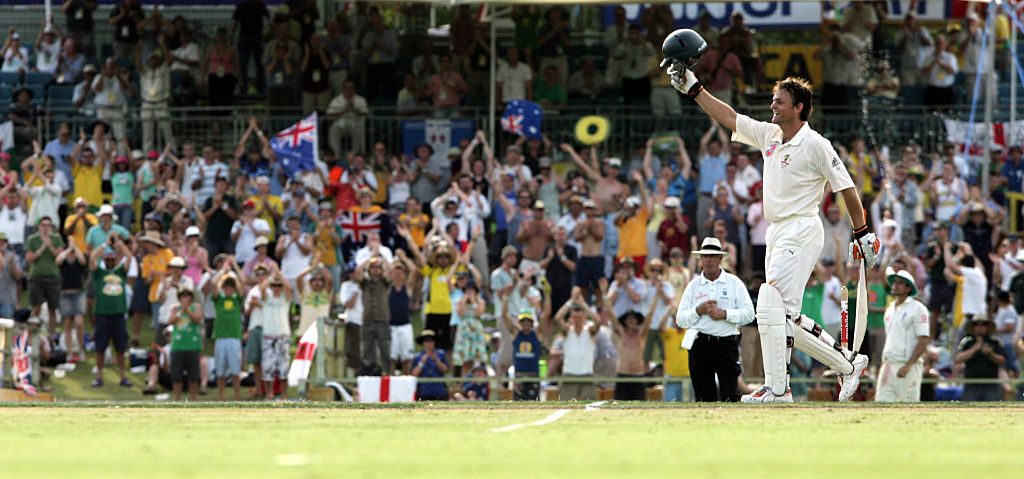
x=865, y=246
x=684, y=80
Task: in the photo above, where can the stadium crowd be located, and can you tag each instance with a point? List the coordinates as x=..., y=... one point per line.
x=524, y=257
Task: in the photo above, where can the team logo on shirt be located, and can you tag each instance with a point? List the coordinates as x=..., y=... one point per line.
x=770, y=150
x=784, y=161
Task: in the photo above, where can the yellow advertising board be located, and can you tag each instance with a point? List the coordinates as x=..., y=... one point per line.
x=781, y=61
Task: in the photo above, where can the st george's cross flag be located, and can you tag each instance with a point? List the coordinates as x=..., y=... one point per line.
x=22, y=370
x=296, y=147
x=299, y=368
x=522, y=118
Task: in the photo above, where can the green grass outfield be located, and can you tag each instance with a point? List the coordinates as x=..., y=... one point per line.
x=307, y=440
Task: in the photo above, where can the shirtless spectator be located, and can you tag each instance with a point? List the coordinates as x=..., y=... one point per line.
x=631, y=332
x=535, y=234
x=608, y=191
x=590, y=233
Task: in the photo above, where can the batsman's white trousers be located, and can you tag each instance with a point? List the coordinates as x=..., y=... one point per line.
x=892, y=388
x=794, y=245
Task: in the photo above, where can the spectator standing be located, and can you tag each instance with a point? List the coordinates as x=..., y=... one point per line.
x=379, y=46
x=109, y=277
x=712, y=160
x=247, y=20
x=939, y=68
x=631, y=333
x=220, y=211
x=587, y=82
x=316, y=82
x=73, y=265
x=13, y=215
x=1007, y=326
x=44, y=281
x=269, y=207
x=276, y=332
x=550, y=93
x=316, y=296
x=911, y=42
x=720, y=67
x=293, y=248
x=281, y=69
x=431, y=363
x=470, y=344
x=659, y=302
x=155, y=87
x=463, y=29
x=906, y=338
x=84, y=97
x=428, y=174
x=125, y=18
x=247, y=231
x=348, y=110
x=840, y=56
x=48, y=49
x=527, y=348
x=714, y=305
x=350, y=296
x=981, y=356
x=339, y=48
x=860, y=20
x=552, y=41
x=742, y=41
x=10, y=275
x=186, y=344
x=220, y=71
x=78, y=22
x=112, y=89
x=227, y=328
x=479, y=75
x=677, y=362
x=399, y=304
x=446, y=86
x=634, y=56
x=45, y=196
x=559, y=265
x=707, y=31
x=578, y=350
x=527, y=20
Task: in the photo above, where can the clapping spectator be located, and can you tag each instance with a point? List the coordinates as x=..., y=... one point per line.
x=248, y=20
x=155, y=85
x=78, y=22
x=221, y=70
x=113, y=89
x=14, y=55
x=125, y=18
x=315, y=67
x=431, y=363
x=447, y=86
x=553, y=40
x=939, y=69
x=84, y=97
x=281, y=69
x=220, y=211
x=981, y=356
x=379, y=45
x=910, y=42
x=70, y=63
x=48, y=48
x=348, y=110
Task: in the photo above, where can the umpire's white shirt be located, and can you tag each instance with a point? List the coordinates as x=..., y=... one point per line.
x=731, y=295
x=903, y=325
x=795, y=172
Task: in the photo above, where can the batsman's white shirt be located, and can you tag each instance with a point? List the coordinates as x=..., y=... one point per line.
x=903, y=324
x=795, y=173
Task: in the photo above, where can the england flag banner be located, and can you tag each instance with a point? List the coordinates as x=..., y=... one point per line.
x=376, y=389
x=299, y=368
x=296, y=146
x=22, y=370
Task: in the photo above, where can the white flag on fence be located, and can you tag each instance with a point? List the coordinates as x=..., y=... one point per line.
x=6, y=136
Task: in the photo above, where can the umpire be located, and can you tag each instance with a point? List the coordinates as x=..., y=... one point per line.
x=714, y=306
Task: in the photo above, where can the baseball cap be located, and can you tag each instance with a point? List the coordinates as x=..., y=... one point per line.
x=589, y=203
x=632, y=202
x=544, y=162
x=326, y=205
x=455, y=151
x=90, y=68
x=191, y=231
x=106, y=210
x=615, y=162
x=672, y=202
x=153, y=154
x=138, y=155
x=538, y=205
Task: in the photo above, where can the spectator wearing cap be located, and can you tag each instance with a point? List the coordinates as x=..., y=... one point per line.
x=535, y=235
x=14, y=55
x=253, y=336
x=906, y=338
x=714, y=306
x=220, y=212
x=437, y=270
x=631, y=224
x=627, y=290
x=966, y=271
x=428, y=174
x=674, y=231
x=526, y=349
x=83, y=97
x=430, y=363
x=42, y=190
x=100, y=233
x=590, y=232
x=172, y=281
x=316, y=295
x=659, y=302
x=348, y=111
x=145, y=300
x=77, y=223
x=298, y=201
x=262, y=247
x=503, y=282
x=980, y=355
x=326, y=235
x=546, y=187
x=276, y=331
x=194, y=254
x=155, y=92
x=268, y=206
x=186, y=343
x=109, y=278
x=978, y=222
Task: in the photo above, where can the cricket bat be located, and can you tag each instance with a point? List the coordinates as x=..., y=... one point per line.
x=860, y=325
x=844, y=315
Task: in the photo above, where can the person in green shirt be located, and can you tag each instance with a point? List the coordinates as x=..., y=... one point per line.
x=41, y=251
x=227, y=327
x=549, y=92
x=877, y=300
x=185, y=343
x=109, y=279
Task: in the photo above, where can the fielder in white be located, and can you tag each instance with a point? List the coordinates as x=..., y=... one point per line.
x=797, y=163
x=906, y=337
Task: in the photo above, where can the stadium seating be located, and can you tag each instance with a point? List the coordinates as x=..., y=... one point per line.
x=38, y=78
x=9, y=78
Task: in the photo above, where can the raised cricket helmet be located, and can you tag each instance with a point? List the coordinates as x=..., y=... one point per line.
x=684, y=46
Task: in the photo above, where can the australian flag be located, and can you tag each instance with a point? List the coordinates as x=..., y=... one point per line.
x=296, y=146
x=522, y=118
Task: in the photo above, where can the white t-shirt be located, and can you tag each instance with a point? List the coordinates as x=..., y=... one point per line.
x=111, y=95
x=276, y=321
x=209, y=175
x=349, y=290
x=830, y=310
x=13, y=63
x=293, y=261
x=1006, y=316
x=47, y=56
x=938, y=76
x=513, y=80
x=662, y=308
x=188, y=52
x=256, y=313
x=245, y=246
x=363, y=254
x=974, y=288
x=795, y=172
x=12, y=223
x=578, y=351
x=45, y=201
x=903, y=325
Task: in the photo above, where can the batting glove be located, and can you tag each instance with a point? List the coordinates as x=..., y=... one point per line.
x=684, y=80
x=865, y=246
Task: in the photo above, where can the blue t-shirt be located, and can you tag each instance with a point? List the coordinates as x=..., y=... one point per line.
x=526, y=348
x=712, y=170
x=481, y=388
x=1014, y=176
x=430, y=371
x=60, y=153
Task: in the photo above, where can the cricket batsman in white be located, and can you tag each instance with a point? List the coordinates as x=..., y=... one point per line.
x=797, y=163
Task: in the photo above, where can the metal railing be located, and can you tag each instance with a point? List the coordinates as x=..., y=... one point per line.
x=630, y=126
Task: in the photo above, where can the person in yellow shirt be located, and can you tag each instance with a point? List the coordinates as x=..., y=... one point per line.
x=154, y=266
x=415, y=221
x=268, y=207
x=632, y=226
x=87, y=170
x=437, y=308
x=863, y=169
x=327, y=240
x=78, y=223
x=364, y=196
x=677, y=359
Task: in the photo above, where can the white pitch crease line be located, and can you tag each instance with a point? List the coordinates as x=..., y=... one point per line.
x=548, y=420
x=595, y=406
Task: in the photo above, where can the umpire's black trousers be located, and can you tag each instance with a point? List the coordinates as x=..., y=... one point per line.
x=713, y=356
